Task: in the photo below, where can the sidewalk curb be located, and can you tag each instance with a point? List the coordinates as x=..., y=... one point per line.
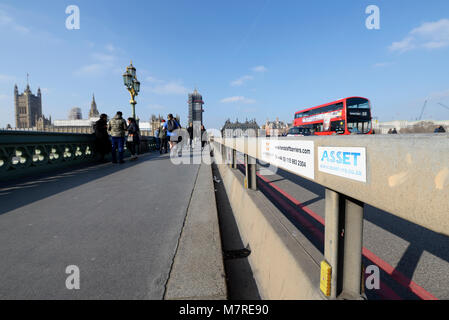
x=198, y=268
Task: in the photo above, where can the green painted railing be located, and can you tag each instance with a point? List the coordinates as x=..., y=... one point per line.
x=23, y=153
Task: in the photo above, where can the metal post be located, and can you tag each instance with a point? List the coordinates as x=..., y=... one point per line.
x=250, y=173
x=223, y=153
x=332, y=232
x=234, y=159
x=246, y=183
x=343, y=242
x=353, y=242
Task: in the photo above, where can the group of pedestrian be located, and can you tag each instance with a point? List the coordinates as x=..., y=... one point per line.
x=392, y=131
x=168, y=134
x=203, y=136
x=110, y=136
x=117, y=129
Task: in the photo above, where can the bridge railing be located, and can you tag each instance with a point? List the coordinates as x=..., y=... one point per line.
x=405, y=175
x=23, y=153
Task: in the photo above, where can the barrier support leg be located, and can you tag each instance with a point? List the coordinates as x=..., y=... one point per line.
x=353, y=242
x=234, y=159
x=250, y=173
x=332, y=231
x=343, y=242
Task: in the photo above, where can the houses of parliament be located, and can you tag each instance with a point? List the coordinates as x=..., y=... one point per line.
x=28, y=109
x=28, y=116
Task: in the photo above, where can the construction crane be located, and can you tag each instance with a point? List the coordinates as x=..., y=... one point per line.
x=422, y=111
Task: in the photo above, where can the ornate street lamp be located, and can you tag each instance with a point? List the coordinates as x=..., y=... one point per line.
x=132, y=84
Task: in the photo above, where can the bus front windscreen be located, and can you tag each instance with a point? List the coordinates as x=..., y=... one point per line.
x=358, y=115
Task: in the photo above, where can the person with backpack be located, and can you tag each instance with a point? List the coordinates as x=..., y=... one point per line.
x=117, y=128
x=162, y=133
x=171, y=126
x=133, y=140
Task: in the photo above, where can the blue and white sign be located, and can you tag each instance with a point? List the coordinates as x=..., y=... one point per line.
x=345, y=162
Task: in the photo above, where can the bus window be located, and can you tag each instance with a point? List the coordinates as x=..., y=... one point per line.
x=338, y=126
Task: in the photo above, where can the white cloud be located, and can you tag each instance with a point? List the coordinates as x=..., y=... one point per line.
x=430, y=35
x=169, y=88
x=238, y=99
x=103, y=58
x=90, y=70
x=110, y=48
x=240, y=81
x=153, y=80
x=260, y=69
x=382, y=64
x=103, y=63
x=7, y=22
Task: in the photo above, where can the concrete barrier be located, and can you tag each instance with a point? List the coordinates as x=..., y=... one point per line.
x=285, y=265
x=198, y=269
x=406, y=175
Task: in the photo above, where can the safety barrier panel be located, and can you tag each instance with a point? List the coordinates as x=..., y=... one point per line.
x=405, y=175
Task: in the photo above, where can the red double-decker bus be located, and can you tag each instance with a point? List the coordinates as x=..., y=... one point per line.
x=346, y=116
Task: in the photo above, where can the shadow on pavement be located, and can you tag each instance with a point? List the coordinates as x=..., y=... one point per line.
x=38, y=187
x=419, y=238
x=239, y=276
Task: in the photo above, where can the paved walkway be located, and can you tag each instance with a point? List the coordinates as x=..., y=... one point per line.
x=119, y=224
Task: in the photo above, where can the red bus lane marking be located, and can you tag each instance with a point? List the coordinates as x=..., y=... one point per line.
x=395, y=274
x=385, y=293
x=399, y=277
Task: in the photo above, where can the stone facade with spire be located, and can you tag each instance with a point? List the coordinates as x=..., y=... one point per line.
x=28, y=109
x=237, y=129
x=93, y=113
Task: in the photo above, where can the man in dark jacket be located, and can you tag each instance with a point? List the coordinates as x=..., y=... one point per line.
x=133, y=140
x=117, y=128
x=102, y=142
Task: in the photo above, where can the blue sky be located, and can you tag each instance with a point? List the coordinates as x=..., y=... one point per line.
x=249, y=59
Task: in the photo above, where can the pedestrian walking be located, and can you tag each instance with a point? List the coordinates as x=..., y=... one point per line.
x=117, y=128
x=171, y=126
x=190, y=132
x=163, y=148
x=102, y=142
x=203, y=137
x=133, y=140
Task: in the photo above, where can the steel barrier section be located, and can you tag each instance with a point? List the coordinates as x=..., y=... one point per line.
x=406, y=175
